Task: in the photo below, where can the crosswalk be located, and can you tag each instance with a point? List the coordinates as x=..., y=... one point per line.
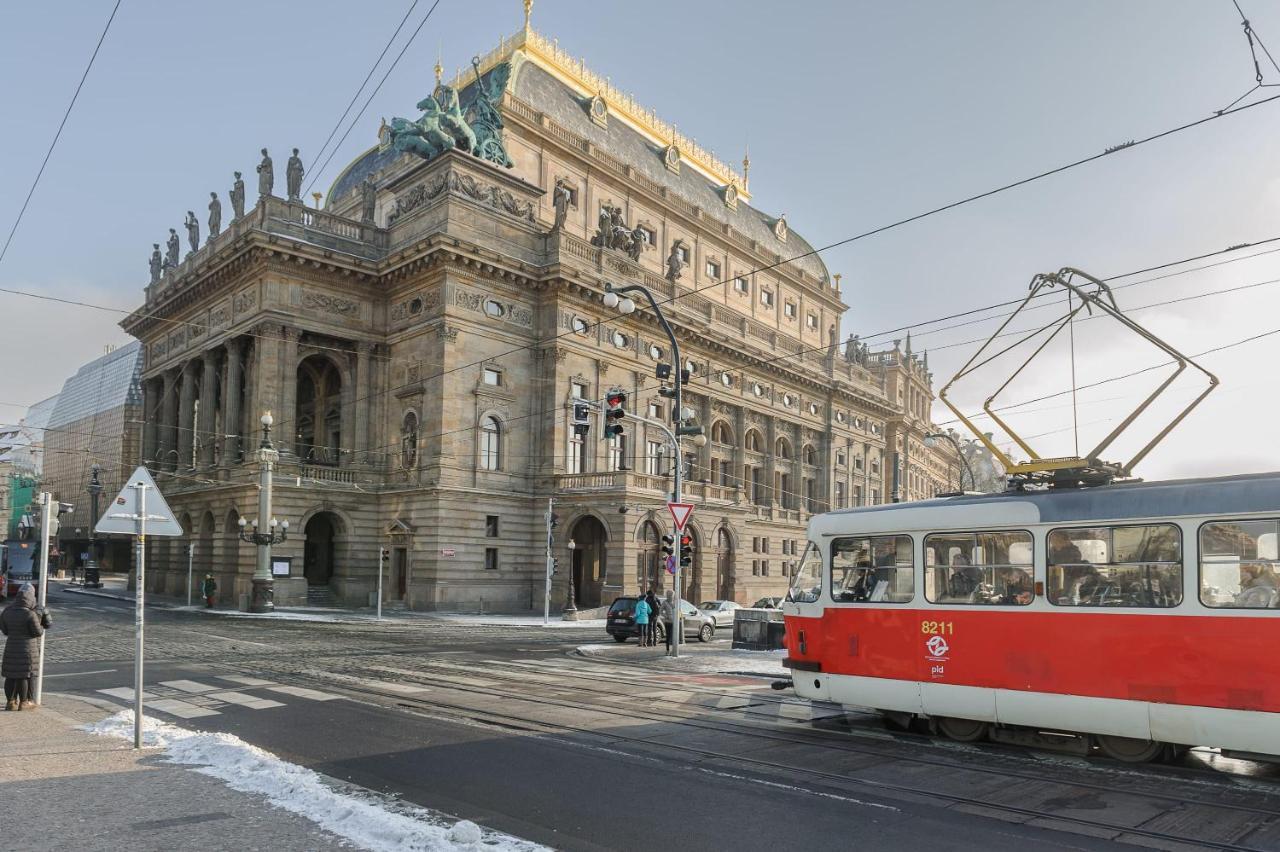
x=191, y=699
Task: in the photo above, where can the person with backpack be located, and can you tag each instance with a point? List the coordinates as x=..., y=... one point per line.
x=208, y=589
x=651, y=598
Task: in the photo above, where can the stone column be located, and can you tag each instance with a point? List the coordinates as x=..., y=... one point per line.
x=348, y=450
x=232, y=422
x=168, y=418
x=208, y=407
x=186, y=418
x=363, y=402
x=266, y=385
x=286, y=416
x=153, y=395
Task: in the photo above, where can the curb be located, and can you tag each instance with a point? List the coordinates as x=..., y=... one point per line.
x=110, y=596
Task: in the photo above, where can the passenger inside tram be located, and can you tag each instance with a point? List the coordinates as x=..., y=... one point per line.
x=875, y=569
x=1127, y=566
x=1238, y=564
x=1258, y=586
x=992, y=569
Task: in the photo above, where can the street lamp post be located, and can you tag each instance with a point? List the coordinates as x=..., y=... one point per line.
x=625, y=305
x=931, y=440
x=569, y=605
x=92, y=578
x=263, y=597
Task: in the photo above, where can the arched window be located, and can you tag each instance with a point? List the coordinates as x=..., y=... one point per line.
x=783, y=449
x=721, y=433
x=318, y=414
x=810, y=454
x=409, y=441
x=490, y=444
x=754, y=443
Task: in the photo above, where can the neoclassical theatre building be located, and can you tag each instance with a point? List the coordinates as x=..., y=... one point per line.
x=421, y=339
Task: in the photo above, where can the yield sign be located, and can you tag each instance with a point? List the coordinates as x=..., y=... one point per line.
x=122, y=513
x=680, y=513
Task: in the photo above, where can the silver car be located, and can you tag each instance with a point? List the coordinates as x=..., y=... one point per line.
x=721, y=612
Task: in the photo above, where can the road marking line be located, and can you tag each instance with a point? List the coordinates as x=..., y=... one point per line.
x=125, y=692
x=181, y=709
x=246, y=681
x=232, y=697
x=303, y=692
x=187, y=685
x=77, y=674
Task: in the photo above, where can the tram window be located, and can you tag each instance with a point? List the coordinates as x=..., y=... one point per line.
x=1130, y=566
x=1238, y=564
x=990, y=568
x=807, y=584
x=873, y=569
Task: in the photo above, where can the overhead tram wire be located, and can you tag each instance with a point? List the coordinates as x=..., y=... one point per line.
x=58, y=134
x=890, y=226
x=367, y=78
x=316, y=173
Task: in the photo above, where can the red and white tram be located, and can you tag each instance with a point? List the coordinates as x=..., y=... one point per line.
x=1143, y=615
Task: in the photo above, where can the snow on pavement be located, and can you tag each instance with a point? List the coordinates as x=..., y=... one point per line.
x=737, y=661
x=365, y=819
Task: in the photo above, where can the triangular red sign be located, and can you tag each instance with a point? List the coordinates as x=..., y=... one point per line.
x=680, y=513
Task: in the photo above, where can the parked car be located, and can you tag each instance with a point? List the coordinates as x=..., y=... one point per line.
x=767, y=603
x=620, y=623
x=721, y=612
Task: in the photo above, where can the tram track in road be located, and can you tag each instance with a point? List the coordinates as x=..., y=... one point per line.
x=530, y=722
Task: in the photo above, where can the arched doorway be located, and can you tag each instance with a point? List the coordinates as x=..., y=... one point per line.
x=724, y=565
x=318, y=419
x=317, y=559
x=589, y=561
x=648, y=564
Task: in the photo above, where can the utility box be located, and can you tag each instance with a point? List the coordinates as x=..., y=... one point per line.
x=758, y=629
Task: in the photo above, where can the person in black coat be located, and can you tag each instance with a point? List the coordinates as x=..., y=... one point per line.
x=23, y=623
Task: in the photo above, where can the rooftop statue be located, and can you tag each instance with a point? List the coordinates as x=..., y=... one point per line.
x=451, y=120
x=237, y=197
x=266, y=175
x=562, y=197
x=171, y=249
x=193, y=230
x=293, y=176
x=424, y=137
x=368, y=200
x=483, y=114
x=674, y=264
x=215, y=215
x=157, y=263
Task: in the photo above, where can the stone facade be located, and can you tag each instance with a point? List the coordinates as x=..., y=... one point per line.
x=422, y=370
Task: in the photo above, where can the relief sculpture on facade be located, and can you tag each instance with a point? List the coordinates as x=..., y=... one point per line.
x=330, y=304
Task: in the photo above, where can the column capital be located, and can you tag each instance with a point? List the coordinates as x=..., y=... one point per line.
x=364, y=348
x=290, y=333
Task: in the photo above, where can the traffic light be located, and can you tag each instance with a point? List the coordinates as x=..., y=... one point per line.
x=616, y=400
x=668, y=546
x=686, y=551
x=386, y=553
x=555, y=520
x=581, y=419
x=555, y=565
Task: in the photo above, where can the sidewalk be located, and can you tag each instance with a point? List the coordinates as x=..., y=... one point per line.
x=63, y=788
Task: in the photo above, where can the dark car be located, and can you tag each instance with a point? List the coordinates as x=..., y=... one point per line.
x=620, y=623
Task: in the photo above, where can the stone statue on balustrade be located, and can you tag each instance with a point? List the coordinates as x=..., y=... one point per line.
x=193, y=230
x=674, y=263
x=215, y=215
x=833, y=342
x=483, y=115
x=619, y=233
x=293, y=176
x=266, y=175
x=237, y=197
x=639, y=242
x=368, y=200
x=604, y=228
x=561, y=197
x=171, y=250
x=157, y=262
x=851, y=349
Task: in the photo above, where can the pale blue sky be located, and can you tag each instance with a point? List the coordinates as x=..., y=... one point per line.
x=856, y=113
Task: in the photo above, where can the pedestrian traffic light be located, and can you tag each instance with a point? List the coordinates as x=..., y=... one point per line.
x=668, y=545
x=686, y=550
x=581, y=419
x=616, y=400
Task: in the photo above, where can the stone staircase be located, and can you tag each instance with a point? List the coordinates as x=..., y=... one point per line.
x=321, y=596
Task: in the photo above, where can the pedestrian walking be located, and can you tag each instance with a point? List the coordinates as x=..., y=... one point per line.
x=671, y=616
x=641, y=612
x=208, y=589
x=654, y=608
x=23, y=622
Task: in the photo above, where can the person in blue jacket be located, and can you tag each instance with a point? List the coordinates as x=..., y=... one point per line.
x=642, y=614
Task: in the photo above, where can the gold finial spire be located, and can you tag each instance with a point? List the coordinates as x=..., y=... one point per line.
x=439, y=66
x=528, y=12
x=746, y=168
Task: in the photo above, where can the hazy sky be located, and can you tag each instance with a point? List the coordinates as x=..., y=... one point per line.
x=856, y=113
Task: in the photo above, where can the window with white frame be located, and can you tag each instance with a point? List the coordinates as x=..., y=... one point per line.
x=490, y=444
x=741, y=285
x=655, y=458
x=789, y=310
x=578, y=390
x=492, y=376
x=811, y=320
x=618, y=452
x=766, y=298
x=713, y=269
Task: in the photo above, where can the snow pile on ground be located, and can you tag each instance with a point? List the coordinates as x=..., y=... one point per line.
x=515, y=620
x=364, y=820
x=737, y=661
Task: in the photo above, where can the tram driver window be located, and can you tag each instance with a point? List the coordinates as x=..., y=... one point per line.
x=1238, y=564
x=873, y=569
x=990, y=568
x=1129, y=566
x=807, y=583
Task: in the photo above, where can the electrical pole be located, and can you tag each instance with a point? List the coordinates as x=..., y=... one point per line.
x=382, y=552
x=46, y=527
x=191, y=558
x=546, y=596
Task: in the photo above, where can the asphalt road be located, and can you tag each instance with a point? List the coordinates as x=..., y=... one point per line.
x=510, y=728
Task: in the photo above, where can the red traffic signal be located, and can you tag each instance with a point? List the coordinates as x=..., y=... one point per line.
x=616, y=399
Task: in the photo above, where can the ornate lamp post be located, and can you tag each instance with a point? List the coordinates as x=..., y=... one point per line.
x=263, y=599
x=569, y=605
x=92, y=579
x=931, y=440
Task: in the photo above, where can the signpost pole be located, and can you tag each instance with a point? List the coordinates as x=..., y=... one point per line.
x=381, y=551
x=191, y=558
x=46, y=522
x=140, y=584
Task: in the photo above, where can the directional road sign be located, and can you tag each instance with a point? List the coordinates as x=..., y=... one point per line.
x=680, y=513
x=122, y=513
